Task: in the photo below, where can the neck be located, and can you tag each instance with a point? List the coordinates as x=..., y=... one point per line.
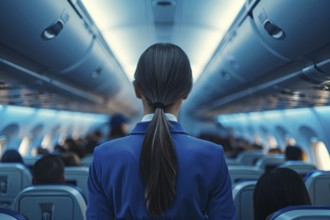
x=174, y=109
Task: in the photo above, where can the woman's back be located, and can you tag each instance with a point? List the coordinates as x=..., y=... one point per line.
x=202, y=177
x=158, y=171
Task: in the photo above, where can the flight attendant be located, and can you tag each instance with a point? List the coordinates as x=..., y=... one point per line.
x=158, y=171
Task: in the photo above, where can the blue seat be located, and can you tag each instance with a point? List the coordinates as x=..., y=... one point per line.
x=243, y=199
x=303, y=212
x=8, y=214
x=249, y=157
x=13, y=178
x=30, y=160
x=78, y=176
x=232, y=162
x=237, y=173
x=301, y=167
x=41, y=202
x=86, y=161
x=269, y=162
x=317, y=183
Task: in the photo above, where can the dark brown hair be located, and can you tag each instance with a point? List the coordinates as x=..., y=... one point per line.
x=163, y=76
x=278, y=189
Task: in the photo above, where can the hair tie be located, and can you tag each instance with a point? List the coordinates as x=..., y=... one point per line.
x=159, y=105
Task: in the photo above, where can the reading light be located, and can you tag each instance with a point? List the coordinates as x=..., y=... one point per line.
x=53, y=30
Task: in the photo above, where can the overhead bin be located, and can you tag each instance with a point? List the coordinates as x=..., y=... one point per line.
x=49, y=33
x=293, y=28
x=242, y=60
x=247, y=55
x=218, y=79
x=96, y=72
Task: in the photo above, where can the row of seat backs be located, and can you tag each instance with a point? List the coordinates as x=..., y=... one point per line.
x=259, y=160
x=317, y=184
x=14, y=177
x=253, y=172
x=31, y=160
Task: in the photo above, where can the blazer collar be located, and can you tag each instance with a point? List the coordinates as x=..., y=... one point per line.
x=141, y=128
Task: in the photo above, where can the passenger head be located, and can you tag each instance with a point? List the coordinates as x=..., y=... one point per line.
x=41, y=151
x=70, y=159
x=11, y=156
x=278, y=189
x=275, y=151
x=48, y=170
x=163, y=78
x=294, y=153
x=118, y=126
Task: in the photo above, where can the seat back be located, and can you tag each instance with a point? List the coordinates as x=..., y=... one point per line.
x=13, y=178
x=232, y=162
x=78, y=176
x=317, y=184
x=270, y=162
x=243, y=199
x=238, y=173
x=249, y=157
x=8, y=214
x=86, y=161
x=31, y=160
x=301, y=167
x=51, y=202
x=303, y=212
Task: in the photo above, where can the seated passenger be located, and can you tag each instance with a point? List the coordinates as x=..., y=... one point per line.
x=294, y=153
x=278, y=189
x=274, y=151
x=11, y=156
x=41, y=151
x=74, y=147
x=118, y=126
x=48, y=170
x=70, y=159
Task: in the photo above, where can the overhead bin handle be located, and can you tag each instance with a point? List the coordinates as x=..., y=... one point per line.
x=274, y=31
x=53, y=30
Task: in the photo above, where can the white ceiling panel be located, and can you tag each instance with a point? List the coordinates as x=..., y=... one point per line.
x=130, y=26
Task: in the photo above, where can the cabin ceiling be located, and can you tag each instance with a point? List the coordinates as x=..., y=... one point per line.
x=129, y=27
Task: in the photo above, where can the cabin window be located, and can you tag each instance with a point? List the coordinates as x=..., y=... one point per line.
x=272, y=142
x=62, y=138
x=46, y=141
x=25, y=146
x=257, y=139
x=2, y=144
x=321, y=155
x=11, y=134
x=290, y=140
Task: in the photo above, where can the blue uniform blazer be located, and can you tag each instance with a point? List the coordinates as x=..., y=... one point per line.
x=203, y=186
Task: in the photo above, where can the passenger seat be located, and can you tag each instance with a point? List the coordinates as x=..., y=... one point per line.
x=41, y=202
x=317, y=183
x=13, y=178
x=243, y=199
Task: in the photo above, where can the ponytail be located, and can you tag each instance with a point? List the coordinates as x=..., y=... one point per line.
x=163, y=76
x=158, y=165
